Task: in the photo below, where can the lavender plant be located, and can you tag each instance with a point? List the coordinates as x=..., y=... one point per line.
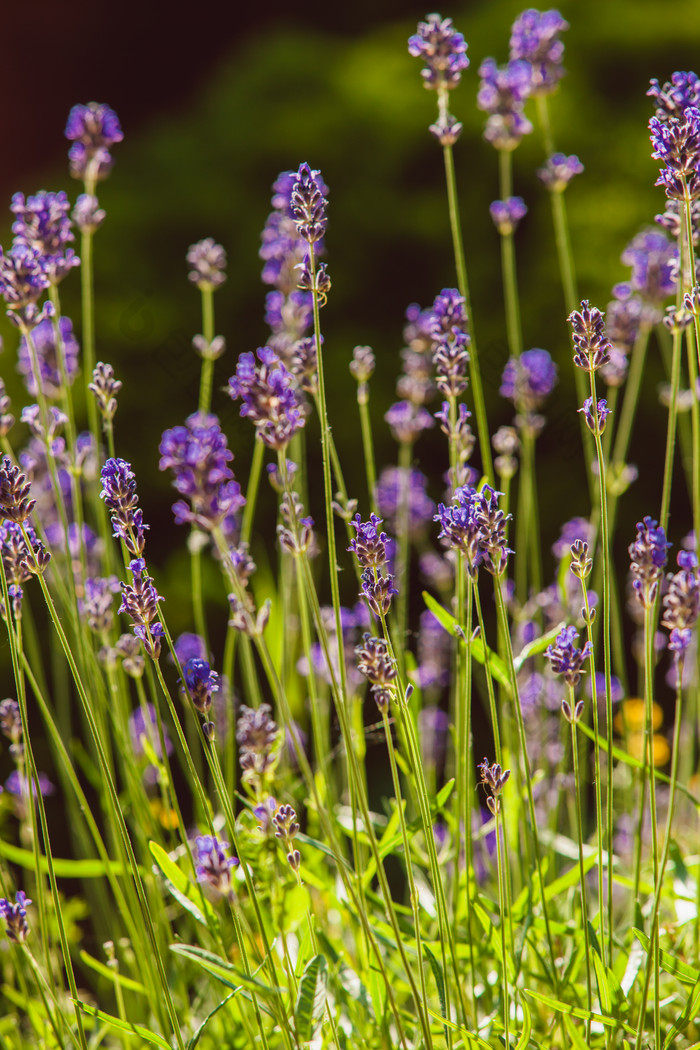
x=241, y=861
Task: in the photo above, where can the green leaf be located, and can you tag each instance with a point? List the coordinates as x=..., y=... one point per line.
x=377, y=991
x=478, y=650
x=612, y=999
x=181, y=888
x=537, y=646
x=689, y=1011
x=195, y=1038
x=311, y=999
x=125, y=1026
x=576, y=1011
x=527, y=1027
x=90, y=868
x=439, y=980
x=577, y=1040
x=224, y=971
x=684, y=972
x=112, y=975
x=442, y=796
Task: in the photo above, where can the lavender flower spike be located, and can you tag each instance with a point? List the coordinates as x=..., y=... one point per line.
x=15, y=504
x=140, y=602
x=591, y=344
x=648, y=556
x=309, y=205
x=369, y=545
x=682, y=603
x=212, y=865
x=565, y=658
x=270, y=397
x=92, y=128
x=443, y=50
x=494, y=778
x=558, y=171
x=535, y=38
x=507, y=214
x=119, y=494
x=208, y=262
x=595, y=417
x=15, y=916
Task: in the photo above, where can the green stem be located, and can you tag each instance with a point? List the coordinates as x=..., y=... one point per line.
x=582, y=869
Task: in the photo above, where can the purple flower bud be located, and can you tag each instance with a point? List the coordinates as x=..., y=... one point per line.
x=309, y=205
x=271, y=399
x=87, y=214
x=207, y=260
x=558, y=171
x=529, y=379
x=507, y=214
x=443, y=50
x=676, y=142
x=201, y=682
x=494, y=779
x=591, y=344
x=15, y=917
x=408, y=421
x=596, y=418
x=15, y=502
x=119, y=494
x=47, y=351
x=92, y=128
x=24, y=277
x=42, y=223
x=676, y=95
x=369, y=545
x=682, y=602
x=257, y=735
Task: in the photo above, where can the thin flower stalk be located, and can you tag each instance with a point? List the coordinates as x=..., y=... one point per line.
x=508, y=269
x=572, y=718
x=671, y=428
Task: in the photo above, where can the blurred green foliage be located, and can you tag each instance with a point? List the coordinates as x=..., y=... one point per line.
x=355, y=108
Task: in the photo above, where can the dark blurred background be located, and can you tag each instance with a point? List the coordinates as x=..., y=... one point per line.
x=214, y=102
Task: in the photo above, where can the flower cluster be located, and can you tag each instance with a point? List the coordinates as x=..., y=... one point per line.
x=502, y=95
x=676, y=142
x=529, y=379
x=120, y=498
x=92, y=129
x=270, y=396
x=257, y=735
x=207, y=260
x=212, y=866
x=535, y=39
x=42, y=224
x=50, y=348
x=370, y=548
x=198, y=455
x=596, y=416
x=11, y=726
x=140, y=601
x=508, y=214
x=558, y=171
x=446, y=323
x=24, y=277
x=22, y=558
x=443, y=50
x=286, y=829
x=376, y=664
x=201, y=682
x=474, y=525
x=566, y=659
x=591, y=344
x=104, y=388
x=682, y=603
x=15, y=916
x=494, y=778
x=648, y=556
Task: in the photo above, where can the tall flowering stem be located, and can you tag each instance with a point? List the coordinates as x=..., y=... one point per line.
x=494, y=778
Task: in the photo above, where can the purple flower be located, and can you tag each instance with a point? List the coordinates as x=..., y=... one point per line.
x=11, y=725
x=676, y=95
x=286, y=829
x=682, y=602
x=443, y=50
x=309, y=204
x=475, y=525
x=591, y=344
x=15, y=502
x=15, y=916
x=271, y=399
x=24, y=277
x=48, y=350
x=119, y=494
x=623, y=318
x=446, y=323
x=190, y=646
x=575, y=529
x=529, y=379
x=378, y=590
x=92, y=128
x=198, y=455
x=140, y=602
x=502, y=94
x=565, y=659
x=408, y=421
x=283, y=249
x=648, y=556
x=97, y=603
x=676, y=142
x=596, y=418
x=207, y=260
x=535, y=38
x=18, y=786
x=654, y=262
x=20, y=562
x=87, y=214
x=390, y=493
x=558, y=171
x=375, y=663
x=212, y=866
x=201, y=682
x=257, y=735
x=42, y=223
x=104, y=388
x=369, y=545
x=143, y=724
x=494, y=778
x=507, y=214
